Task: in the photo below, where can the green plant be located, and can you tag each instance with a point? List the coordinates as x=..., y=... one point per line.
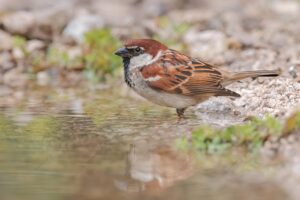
x=292, y=123
x=60, y=57
x=57, y=57
x=19, y=42
x=251, y=135
x=99, y=58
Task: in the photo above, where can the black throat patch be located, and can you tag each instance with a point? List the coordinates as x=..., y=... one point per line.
x=128, y=80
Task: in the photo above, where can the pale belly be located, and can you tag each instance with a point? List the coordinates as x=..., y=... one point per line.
x=166, y=99
x=162, y=98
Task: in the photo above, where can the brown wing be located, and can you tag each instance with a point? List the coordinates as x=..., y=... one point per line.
x=177, y=73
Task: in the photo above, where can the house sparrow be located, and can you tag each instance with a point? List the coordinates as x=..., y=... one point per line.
x=169, y=78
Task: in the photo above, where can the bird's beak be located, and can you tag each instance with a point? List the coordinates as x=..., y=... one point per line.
x=122, y=52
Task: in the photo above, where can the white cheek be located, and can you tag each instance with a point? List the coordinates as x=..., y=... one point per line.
x=142, y=60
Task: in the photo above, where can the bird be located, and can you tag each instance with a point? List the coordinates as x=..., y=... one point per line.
x=170, y=78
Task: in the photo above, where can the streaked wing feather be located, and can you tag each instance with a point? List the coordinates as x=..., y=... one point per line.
x=176, y=73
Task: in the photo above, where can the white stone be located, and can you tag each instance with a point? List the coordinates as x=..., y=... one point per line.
x=6, y=41
x=206, y=44
x=82, y=24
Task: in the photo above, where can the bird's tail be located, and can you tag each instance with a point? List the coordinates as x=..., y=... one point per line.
x=236, y=76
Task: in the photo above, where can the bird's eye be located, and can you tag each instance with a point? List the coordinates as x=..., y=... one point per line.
x=138, y=49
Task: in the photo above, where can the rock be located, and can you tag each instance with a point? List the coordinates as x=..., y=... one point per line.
x=82, y=24
x=294, y=71
x=51, y=21
x=154, y=8
x=19, y=22
x=6, y=41
x=74, y=52
x=286, y=7
x=35, y=45
x=9, y=5
x=271, y=103
x=124, y=32
x=124, y=14
x=15, y=78
x=239, y=103
x=76, y=106
x=43, y=78
x=276, y=96
x=41, y=24
x=5, y=91
x=192, y=15
x=6, y=61
x=206, y=44
x=18, y=54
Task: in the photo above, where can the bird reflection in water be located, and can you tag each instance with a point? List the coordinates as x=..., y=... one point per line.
x=154, y=168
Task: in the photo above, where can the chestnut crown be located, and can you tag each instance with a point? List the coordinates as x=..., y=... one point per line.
x=136, y=47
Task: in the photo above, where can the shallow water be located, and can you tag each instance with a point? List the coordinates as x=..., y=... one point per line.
x=122, y=149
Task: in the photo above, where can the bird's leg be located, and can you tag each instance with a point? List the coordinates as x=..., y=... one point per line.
x=180, y=112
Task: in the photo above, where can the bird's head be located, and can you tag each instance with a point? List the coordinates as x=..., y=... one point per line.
x=141, y=52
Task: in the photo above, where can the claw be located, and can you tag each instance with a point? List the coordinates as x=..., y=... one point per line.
x=180, y=112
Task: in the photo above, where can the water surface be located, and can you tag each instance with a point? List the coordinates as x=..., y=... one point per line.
x=117, y=149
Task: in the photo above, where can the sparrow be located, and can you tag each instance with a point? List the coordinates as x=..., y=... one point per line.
x=169, y=78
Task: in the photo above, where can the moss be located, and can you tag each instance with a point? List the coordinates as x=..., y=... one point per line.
x=99, y=58
x=58, y=57
x=19, y=42
x=292, y=124
x=96, y=60
x=251, y=135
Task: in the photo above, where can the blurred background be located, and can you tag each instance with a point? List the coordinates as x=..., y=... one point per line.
x=71, y=129
x=69, y=43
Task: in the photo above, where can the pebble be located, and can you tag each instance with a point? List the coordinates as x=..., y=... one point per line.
x=43, y=23
x=5, y=91
x=43, y=78
x=35, y=45
x=293, y=71
x=286, y=7
x=18, y=54
x=20, y=22
x=279, y=94
x=206, y=44
x=6, y=61
x=15, y=78
x=6, y=41
x=81, y=24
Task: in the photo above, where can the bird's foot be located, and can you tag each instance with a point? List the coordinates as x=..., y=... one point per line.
x=180, y=113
